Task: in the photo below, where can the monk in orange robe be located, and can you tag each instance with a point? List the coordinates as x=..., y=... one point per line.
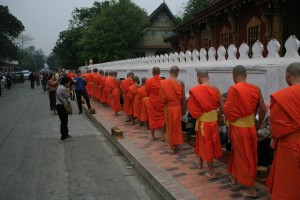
x=107, y=89
x=155, y=107
x=113, y=87
x=284, y=178
x=133, y=109
x=104, y=99
x=94, y=83
x=142, y=99
x=205, y=104
x=125, y=88
x=87, y=77
x=100, y=85
x=172, y=93
x=239, y=109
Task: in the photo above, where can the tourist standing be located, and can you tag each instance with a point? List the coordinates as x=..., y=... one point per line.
x=62, y=95
x=52, y=84
x=80, y=91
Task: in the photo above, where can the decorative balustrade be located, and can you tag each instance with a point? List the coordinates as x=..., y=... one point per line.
x=267, y=72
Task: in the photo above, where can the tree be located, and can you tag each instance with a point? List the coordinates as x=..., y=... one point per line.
x=193, y=7
x=114, y=32
x=106, y=32
x=23, y=40
x=67, y=48
x=10, y=28
x=53, y=61
x=31, y=59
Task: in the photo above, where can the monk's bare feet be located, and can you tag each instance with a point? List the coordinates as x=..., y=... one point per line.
x=210, y=175
x=128, y=120
x=247, y=193
x=177, y=148
x=232, y=179
x=199, y=164
x=153, y=138
x=117, y=114
x=171, y=151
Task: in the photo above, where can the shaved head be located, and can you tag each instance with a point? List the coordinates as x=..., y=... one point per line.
x=144, y=80
x=130, y=74
x=95, y=70
x=174, y=70
x=239, y=70
x=136, y=79
x=115, y=73
x=101, y=72
x=202, y=73
x=156, y=71
x=294, y=69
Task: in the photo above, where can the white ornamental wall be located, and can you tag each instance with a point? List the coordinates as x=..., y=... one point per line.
x=268, y=73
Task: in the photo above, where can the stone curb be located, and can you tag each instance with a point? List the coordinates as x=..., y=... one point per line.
x=164, y=183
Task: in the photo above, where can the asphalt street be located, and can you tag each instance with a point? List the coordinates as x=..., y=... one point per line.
x=36, y=165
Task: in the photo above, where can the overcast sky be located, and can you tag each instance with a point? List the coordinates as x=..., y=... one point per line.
x=44, y=19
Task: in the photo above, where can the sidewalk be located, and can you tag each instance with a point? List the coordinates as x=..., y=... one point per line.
x=174, y=176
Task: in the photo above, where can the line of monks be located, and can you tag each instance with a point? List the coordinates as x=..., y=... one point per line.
x=162, y=102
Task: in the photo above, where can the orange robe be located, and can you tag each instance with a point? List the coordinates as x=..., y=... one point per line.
x=125, y=88
x=241, y=102
x=142, y=99
x=155, y=107
x=104, y=93
x=99, y=89
x=87, y=78
x=204, y=99
x=284, y=178
x=113, y=90
x=171, y=96
x=94, y=84
x=133, y=101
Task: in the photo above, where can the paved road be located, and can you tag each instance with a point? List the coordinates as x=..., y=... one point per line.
x=36, y=165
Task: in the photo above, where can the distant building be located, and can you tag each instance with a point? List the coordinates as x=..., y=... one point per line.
x=159, y=26
x=227, y=22
x=8, y=66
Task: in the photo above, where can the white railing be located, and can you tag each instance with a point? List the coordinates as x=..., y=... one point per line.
x=266, y=72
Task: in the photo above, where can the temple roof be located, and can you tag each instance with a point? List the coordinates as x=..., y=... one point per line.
x=162, y=6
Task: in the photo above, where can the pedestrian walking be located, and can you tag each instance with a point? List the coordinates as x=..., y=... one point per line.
x=32, y=79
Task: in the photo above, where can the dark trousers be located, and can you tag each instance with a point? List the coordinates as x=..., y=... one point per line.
x=265, y=154
x=44, y=85
x=32, y=84
x=63, y=116
x=79, y=94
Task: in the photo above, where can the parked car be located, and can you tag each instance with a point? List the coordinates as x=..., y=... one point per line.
x=17, y=77
x=26, y=74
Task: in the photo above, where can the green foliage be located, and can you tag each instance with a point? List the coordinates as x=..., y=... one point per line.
x=10, y=28
x=192, y=8
x=108, y=31
x=31, y=59
x=53, y=61
x=114, y=32
x=67, y=48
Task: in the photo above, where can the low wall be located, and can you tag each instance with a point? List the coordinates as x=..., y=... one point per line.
x=268, y=73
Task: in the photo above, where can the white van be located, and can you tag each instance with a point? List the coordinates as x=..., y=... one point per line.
x=26, y=74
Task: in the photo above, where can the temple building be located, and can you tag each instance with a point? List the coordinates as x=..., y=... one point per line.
x=159, y=26
x=226, y=22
